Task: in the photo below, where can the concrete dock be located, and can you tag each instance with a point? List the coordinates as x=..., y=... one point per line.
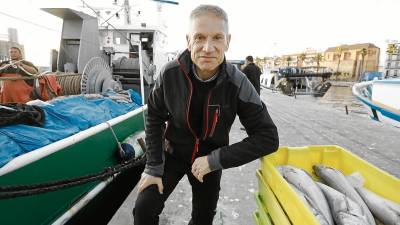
x=301, y=121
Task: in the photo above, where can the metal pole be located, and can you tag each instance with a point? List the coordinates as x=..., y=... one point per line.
x=141, y=72
x=141, y=80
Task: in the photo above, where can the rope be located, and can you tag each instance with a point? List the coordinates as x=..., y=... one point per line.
x=7, y=192
x=121, y=151
x=39, y=76
x=70, y=83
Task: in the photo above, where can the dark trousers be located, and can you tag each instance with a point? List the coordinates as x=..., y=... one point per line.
x=150, y=203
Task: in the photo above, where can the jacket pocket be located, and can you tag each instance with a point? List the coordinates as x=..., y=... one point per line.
x=215, y=112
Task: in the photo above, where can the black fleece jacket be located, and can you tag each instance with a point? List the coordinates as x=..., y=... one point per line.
x=233, y=94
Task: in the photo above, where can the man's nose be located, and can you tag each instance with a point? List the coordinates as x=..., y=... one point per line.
x=208, y=45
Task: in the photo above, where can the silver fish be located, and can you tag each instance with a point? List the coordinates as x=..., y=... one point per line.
x=311, y=205
x=335, y=179
x=302, y=181
x=344, y=210
x=384, y=210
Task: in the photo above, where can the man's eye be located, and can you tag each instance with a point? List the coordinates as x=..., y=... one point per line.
x=199, y=38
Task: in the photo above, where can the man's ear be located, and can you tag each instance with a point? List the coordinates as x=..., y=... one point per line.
x=228, y=41
x=187, y=41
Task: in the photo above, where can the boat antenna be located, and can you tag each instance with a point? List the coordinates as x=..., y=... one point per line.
x=98, y=15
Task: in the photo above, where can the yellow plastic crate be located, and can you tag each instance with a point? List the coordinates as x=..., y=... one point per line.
x=272, y=205
x=256, y=217
x=376, y=180
x=263, y=212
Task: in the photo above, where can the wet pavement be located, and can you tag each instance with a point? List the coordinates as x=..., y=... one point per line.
x=301, y=121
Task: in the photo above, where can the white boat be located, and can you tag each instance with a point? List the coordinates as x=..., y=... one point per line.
x=297, y=81
x=382, y=99
x=269, y=78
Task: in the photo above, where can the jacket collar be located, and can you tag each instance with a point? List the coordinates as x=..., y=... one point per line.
x=185, y=61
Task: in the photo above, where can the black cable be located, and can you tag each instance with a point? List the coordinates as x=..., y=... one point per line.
x=7, y=192
x=87, y=5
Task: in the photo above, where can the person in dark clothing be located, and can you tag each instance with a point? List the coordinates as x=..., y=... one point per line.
x=191, y=110
x=252, y=72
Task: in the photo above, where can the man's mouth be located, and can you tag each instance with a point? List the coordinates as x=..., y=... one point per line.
x=207, y=57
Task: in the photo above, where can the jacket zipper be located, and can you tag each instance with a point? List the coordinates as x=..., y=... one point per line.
x=214, y=124
x=195, y=149
x=206, y=112
x=196, y=144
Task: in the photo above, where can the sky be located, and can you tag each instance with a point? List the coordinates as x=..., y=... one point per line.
x=258, y=27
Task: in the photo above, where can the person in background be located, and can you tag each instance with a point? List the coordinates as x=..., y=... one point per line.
x=16, y=64
x=18, y=90
x=252, y=72
x=191, y=110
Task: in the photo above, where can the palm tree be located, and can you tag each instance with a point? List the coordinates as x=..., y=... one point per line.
x=276, y=61
x=288, y=59
x=392, y=49
x=301, y=58
x=318, y=58
x=258, y=61
x=363, y=53
x=339, y=51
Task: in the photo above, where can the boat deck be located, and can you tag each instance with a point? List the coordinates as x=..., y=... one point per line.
x=300, y=122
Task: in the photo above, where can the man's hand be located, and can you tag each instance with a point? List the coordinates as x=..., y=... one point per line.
x=147, y=180
x=200, y=168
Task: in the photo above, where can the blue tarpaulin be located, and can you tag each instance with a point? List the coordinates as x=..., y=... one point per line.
x=63, y=117
x=372, y=75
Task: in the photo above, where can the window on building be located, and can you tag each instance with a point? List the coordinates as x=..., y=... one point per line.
x=336, y=57
x=388, y=65
x=347, y=55
x=120, y=38
x=397, y=65
x=395, y=73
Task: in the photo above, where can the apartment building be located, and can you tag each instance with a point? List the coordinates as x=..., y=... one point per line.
x=392, y=63
x=352, y=59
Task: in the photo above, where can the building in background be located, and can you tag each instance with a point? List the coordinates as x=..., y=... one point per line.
x=352, y=60
x=392, y=63
x=307, y=58
x=267, y=62
x=9, y=40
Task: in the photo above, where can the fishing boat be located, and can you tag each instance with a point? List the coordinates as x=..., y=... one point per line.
x=294, y=81
x=84, y=177
x=381, y=98
x=269, y=77
x=77, y=180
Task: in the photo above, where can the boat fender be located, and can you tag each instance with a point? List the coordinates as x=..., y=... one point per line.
x=131, y=148
x=127, y=152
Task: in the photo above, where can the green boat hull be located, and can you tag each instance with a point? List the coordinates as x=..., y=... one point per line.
x=88, y=156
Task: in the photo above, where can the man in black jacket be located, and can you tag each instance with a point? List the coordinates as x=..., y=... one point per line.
x=252, y=72
x=190, y=112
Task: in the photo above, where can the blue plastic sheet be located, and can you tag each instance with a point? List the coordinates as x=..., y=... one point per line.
x=63, y=118
x=372, y=75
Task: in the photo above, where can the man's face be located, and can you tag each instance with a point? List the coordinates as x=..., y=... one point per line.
x=207, y=42
x=14, y=54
